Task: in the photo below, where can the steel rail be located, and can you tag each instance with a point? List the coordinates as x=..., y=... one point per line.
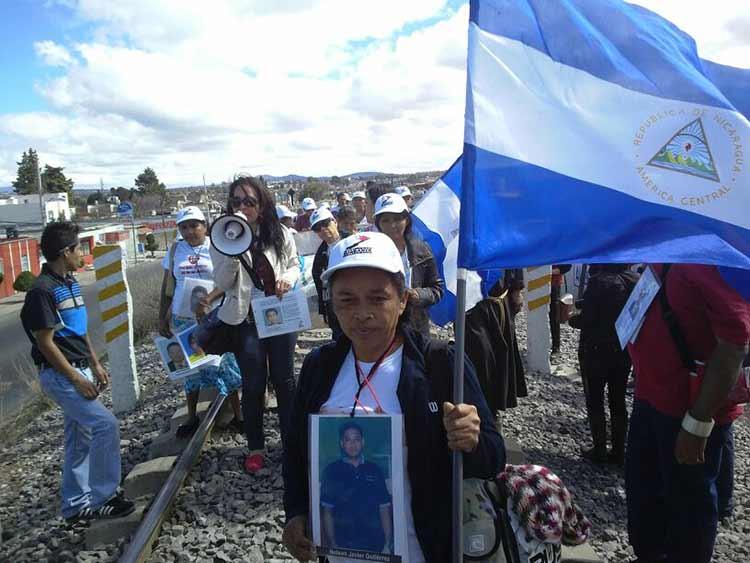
x=139, y=548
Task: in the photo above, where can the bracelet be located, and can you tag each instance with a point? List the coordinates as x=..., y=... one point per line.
x=697, y=427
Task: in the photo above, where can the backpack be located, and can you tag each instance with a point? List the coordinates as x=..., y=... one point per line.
x=487, y=529
x=171, y=281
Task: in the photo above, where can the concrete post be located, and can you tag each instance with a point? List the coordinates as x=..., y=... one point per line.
x=117, y=319
x=538, y=337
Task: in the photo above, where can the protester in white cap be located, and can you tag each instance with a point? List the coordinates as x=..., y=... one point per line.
x=324, y=224
x=286, y=217
x=405, y=193
x=379, y=365
x=342, y=199
x=189, y=259
x=424, y=285
x=302, y=223
x=359, y=203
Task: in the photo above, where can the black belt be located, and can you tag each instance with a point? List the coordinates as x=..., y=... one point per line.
x=80, y=364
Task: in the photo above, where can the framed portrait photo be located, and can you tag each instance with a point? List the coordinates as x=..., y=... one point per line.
x=357, y=487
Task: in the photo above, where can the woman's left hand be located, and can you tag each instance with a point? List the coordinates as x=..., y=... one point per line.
x=462, y=425
x=282, y=286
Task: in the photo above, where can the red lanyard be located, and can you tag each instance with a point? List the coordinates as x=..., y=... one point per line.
x=365, y=381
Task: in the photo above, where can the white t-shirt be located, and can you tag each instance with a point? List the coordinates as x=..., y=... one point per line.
x=384, y=382
x=189, y=262
x=407, y=268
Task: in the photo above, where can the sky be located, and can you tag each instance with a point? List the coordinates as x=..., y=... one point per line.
x=312, y=87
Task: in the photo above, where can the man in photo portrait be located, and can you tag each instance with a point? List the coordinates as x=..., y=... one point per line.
x=272, y=316
x=198, y=295
x=176, y=357
x=356, y=509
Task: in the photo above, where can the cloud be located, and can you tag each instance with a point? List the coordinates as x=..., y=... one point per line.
x=306, y=86
x=53, y=54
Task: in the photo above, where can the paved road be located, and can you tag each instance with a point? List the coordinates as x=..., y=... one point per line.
x=16, y=369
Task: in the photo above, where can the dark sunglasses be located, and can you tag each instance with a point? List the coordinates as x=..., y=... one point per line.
x=247, y=201
x=321, y=225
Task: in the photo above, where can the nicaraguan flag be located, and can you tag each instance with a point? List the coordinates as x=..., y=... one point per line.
x=595, y=133
x=435, y=219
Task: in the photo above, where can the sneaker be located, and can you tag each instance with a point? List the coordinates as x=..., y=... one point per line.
x=116, y=507
x=188, y=429
x=254, y=462
x=82, y=515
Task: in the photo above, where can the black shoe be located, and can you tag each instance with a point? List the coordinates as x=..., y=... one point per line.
x=116, y=507
x=188, y=429
x=595, y=455
x=83, y=515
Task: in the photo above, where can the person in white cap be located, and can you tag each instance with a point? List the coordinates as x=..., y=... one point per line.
x=324, y=224
x=286, y=217
x=424, y=285
x=186, y=259
x=359, y=203
x=380, y=365
x=302, y=223
x=405, y=193
x=342, y=200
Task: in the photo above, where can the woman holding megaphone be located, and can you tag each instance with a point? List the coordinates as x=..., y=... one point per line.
x=268, y=266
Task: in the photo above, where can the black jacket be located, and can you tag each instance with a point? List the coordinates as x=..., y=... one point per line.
x=429, y=460
x=492, y=346
x=605, y=296
x=426, y=280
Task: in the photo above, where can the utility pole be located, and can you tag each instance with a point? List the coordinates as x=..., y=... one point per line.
x=41, y=195
x=208, y=202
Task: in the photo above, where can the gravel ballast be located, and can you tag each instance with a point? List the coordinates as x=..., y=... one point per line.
x=222, y=514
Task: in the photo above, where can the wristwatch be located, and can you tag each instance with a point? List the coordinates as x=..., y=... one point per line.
x=697, y=427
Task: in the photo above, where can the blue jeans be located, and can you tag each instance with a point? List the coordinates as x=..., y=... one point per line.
x=91, y=468
x=725, y=482
x=257, y=358
x=672, y=508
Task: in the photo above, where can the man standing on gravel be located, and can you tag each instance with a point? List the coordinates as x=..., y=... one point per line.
x=677, y=434
x=54, y=318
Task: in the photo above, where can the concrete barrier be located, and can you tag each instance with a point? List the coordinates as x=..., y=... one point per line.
x=117, y=322
x=147, y=478
x=537, y=318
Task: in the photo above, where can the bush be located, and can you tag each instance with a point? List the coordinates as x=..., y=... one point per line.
x=151, y=244
x=24, y=281
x=2, y=277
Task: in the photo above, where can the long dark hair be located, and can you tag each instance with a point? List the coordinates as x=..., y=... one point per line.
x=270, y=230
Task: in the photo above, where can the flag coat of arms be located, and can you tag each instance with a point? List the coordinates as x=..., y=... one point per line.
x=595, y=133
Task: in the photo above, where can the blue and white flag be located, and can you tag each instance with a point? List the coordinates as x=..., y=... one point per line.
x=595, y=133
x=435, y=219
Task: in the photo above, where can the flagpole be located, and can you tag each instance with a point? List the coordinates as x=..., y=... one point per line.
x=458, y=397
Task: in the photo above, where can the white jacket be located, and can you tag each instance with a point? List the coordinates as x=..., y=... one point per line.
x=230, y=276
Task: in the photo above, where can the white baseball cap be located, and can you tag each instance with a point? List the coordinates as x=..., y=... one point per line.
x=324, y=205
x=283, y=211
x=359, y=195
x=308, y=204
x=390, y=203
x=190, y=213
x=320, y=214
x=364, y=250
x=403, y=191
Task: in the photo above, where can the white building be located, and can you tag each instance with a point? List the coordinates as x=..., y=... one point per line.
x=25, y=208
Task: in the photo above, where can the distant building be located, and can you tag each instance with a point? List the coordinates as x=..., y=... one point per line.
x=17, y=255
x=25, y=208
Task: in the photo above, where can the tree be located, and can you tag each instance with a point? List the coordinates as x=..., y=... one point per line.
x=148, y=183
x=24, y=281
x=94, y=199
x=123, y=194
x=151, y=244
x=28, y=168
x=55, y=182
x=315, y=190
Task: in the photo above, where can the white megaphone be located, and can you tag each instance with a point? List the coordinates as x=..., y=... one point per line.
x=231, y=234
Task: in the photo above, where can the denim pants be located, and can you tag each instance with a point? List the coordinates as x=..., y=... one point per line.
x=91, y=468
x=672, y=508
x=725, y=482
x=257, y=358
